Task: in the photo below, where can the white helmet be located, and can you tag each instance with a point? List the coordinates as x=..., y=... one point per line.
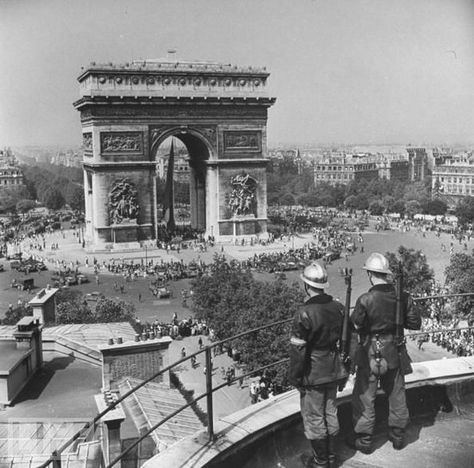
x=377, y=263
x=316, y=276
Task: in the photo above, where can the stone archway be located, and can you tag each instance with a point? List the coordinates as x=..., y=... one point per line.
x=218, y=111
x=200, y=151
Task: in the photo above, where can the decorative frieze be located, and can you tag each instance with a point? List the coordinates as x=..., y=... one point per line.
x=87, y=141
x=243, y=141
x=121, y=142
x=173, y=111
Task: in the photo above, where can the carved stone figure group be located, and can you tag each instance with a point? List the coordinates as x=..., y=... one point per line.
x=242, y=196
x=123, y=201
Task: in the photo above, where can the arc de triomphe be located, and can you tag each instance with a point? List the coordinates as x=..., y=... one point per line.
x=218, y=111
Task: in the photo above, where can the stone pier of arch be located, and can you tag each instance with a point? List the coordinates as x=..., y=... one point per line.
x=220, y=114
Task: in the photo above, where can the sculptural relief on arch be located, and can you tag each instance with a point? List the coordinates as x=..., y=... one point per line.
x=219, y=112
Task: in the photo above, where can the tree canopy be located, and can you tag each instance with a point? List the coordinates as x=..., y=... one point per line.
x=231, y=301
x=460, y=279
x=418, y=277
x=465, y=210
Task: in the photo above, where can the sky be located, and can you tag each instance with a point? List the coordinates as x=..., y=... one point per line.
x=343, y=71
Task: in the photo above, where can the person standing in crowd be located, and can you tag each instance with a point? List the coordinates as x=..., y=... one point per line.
x=316, y=369
x=374, y=318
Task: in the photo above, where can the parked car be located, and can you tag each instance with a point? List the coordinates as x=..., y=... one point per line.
x=15, y=264
x=82, y=279
x=163, y=293
x=93, y=296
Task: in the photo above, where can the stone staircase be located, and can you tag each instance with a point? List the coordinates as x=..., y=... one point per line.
x=152, y=403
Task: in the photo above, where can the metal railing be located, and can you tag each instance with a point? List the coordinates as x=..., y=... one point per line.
x=55, y=458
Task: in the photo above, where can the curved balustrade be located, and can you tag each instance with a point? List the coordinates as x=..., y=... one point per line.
x=55, y=459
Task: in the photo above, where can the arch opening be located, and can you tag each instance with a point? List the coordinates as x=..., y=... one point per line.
x=180, y=201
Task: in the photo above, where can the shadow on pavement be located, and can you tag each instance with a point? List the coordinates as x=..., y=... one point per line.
x=36, y=386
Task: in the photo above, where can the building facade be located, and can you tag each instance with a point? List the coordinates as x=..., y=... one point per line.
x=181, y=172
x=454, y=179
x=343, y=169
x=418, y=159
x=11, y=175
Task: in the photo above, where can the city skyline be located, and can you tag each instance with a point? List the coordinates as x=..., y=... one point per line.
x=342, y=72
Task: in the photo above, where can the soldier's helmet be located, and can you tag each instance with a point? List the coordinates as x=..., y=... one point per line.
x=316, y=276
x=377, y=263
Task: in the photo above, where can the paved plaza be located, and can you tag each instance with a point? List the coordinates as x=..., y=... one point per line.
x=149, y=308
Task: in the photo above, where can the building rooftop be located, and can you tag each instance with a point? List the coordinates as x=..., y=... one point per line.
x=160, y=79
x=64, y=388
x=10, y=355
x=165, y=65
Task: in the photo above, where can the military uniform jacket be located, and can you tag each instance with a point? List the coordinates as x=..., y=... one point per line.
x=314, y=357
x=375, y=314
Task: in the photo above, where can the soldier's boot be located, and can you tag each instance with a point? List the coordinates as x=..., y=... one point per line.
x=361, y=442
x=319, y=458
x=332, y=457
x=396, y=436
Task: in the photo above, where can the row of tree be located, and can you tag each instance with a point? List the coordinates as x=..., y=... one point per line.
x=72, y=308
x=53, y=186
x=286, y=187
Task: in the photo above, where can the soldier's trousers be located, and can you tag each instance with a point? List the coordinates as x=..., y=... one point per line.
x=319, y=412
x=363, y=400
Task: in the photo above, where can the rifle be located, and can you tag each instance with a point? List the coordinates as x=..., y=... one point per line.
x=345, y=339
x=404, y=358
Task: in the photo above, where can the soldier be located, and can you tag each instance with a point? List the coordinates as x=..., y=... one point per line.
x=378, y=357
x=315, y=365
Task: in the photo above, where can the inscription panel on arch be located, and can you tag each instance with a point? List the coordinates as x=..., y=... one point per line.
x=243, y=141
x=121, y=143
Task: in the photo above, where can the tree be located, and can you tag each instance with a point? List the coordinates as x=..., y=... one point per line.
x=231, y=301
x=376, y=208
x=25, y=205
x=53, y=198
x=460, y=279
x=13, y=315
x=9, y=198
x=75, y=197
x=412, y=207
x=465, y=210
x=350, y=202
x=417, y=275
x=110, y=310
x=271, y=302
x=73, y=312
x=287, y=199
x=399, y=207
x=435, y=207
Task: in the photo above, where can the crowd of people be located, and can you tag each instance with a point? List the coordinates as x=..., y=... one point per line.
x=449, y=335
x=174, y=329
x=327, y=244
